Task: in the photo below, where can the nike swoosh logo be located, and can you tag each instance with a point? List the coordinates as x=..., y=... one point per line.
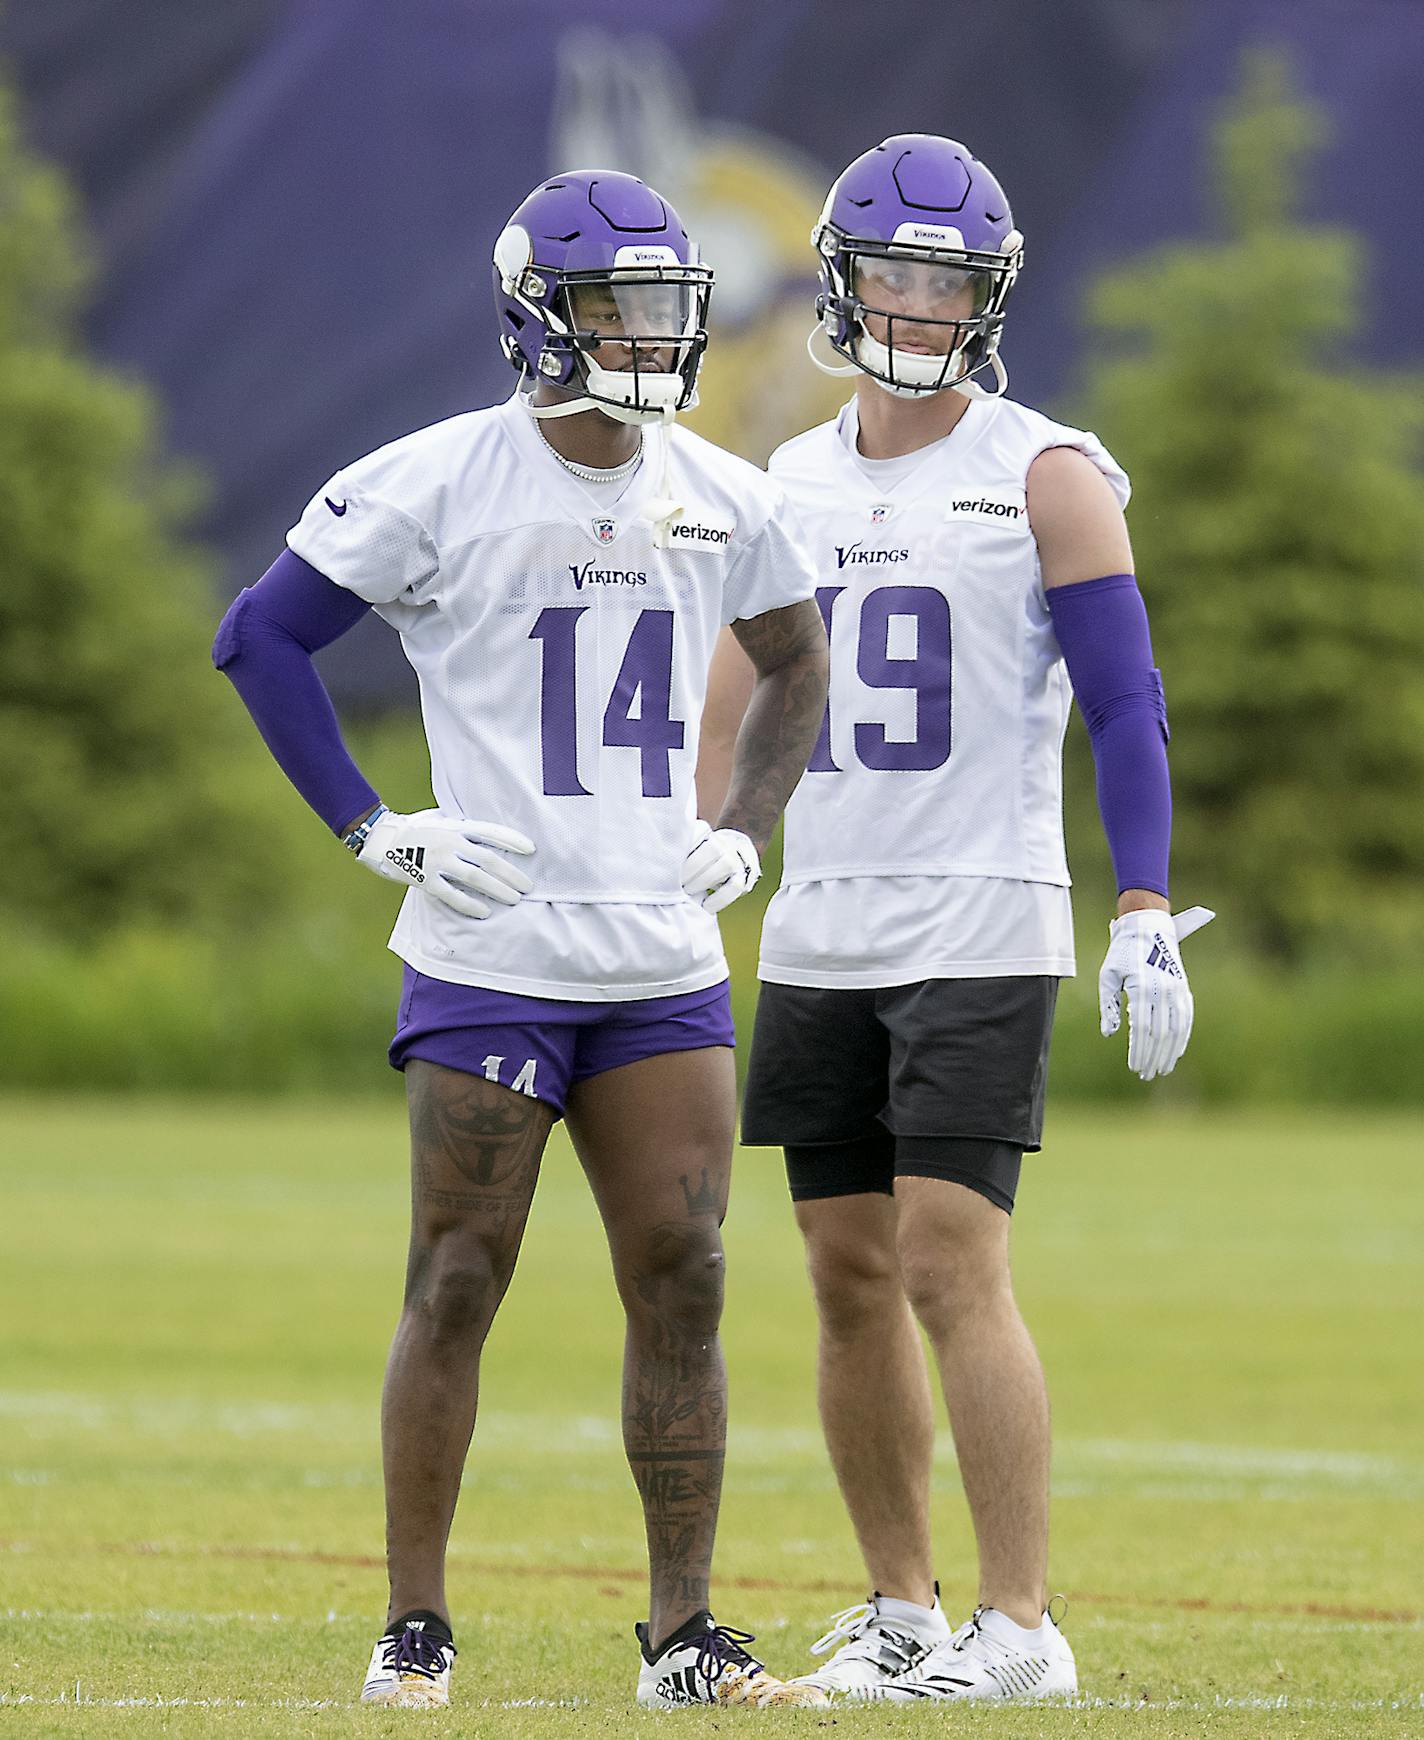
x=338, y=511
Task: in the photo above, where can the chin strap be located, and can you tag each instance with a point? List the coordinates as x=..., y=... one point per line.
x=641, y=415
x=970, y=388
x=570, y=408
x=819, y=331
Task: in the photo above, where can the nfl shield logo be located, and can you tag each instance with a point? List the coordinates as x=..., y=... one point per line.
x=880, y=513
x=605, y=530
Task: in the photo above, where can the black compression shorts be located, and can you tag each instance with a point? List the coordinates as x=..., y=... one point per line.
x=943, y=1078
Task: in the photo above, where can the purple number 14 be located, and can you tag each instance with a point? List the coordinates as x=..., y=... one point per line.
x=644, y=680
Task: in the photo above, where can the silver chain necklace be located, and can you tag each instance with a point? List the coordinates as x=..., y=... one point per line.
x=594, y=473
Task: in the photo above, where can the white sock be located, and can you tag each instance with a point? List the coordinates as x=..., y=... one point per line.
x=927, y=1623
x=1007, y=1631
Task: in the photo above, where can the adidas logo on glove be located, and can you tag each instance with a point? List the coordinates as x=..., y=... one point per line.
x=410, y=860
x=1161, y=956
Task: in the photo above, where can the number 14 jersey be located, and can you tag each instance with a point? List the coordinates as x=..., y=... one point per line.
x=562, y=660
x=926, y=838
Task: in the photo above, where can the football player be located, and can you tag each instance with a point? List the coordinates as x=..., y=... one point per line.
x=973, y=562
x=557, y=568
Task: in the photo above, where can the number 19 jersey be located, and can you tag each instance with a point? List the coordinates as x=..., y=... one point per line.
x=562, y=660
x=926, y=838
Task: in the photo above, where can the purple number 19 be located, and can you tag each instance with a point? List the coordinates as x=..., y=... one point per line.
x=926, y=672
x=644, y=680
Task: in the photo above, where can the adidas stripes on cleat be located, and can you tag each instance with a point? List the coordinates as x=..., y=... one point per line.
x=875, y=1651
x=991, y=1657
x=409, y=1669
x=706, y=1663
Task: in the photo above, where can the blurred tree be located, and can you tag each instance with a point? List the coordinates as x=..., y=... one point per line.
x=1279, y=531
x=128, y=769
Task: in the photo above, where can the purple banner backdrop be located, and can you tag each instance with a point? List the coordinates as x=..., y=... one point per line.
x=296, y=202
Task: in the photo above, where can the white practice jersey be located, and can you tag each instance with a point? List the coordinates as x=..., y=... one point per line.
x=926, y=838
x=563, y=663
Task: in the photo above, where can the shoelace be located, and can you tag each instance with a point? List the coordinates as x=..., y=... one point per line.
x=972, y=1631
x=853, y=1628
x=414, y=1652
x=968, y=1631
x=720, y=1648
x=846, y=1626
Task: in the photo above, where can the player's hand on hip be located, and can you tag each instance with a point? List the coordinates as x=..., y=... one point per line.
x=1144, y=961
x=721, y=867
x=464, y=864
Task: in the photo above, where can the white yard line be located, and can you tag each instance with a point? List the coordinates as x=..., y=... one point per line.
x=1184, y=1469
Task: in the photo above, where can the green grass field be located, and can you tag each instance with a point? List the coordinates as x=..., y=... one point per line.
x=196, y=1301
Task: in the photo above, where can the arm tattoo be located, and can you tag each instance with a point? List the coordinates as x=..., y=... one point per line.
x=788, y=649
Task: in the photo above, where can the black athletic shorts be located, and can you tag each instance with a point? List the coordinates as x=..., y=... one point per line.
x=943, y=1078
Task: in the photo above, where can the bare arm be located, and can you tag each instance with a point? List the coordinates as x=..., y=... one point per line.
x=784, y=685
x=729, y=690
x=1077, y=524
x=1081, y=535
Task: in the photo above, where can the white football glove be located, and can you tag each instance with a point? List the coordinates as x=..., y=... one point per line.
x=720, y=868
x=459, y=862
x=1144, y=959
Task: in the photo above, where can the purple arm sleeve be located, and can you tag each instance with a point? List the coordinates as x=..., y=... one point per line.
x=264, y=647
x=1102, y=629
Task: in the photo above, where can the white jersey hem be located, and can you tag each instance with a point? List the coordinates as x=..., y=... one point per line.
x=971, y=872
x=555, y=990
x=882, y=978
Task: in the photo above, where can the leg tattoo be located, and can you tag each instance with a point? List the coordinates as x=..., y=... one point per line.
x=675, y=1410
x=475, y=1150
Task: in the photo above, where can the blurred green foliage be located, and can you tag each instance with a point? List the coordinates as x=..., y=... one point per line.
x=1279, y=530
x=123, y=760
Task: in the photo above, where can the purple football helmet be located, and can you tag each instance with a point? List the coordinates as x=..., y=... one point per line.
x=918, y=234
x=593, y=262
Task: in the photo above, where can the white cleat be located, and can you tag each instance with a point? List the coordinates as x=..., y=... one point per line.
x=410, y=1671
x=874, y=1652
x=983, y=1659
x=706, y=1663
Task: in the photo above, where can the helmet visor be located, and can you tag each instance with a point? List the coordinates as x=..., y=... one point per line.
x=921, y=290
x=647, y=321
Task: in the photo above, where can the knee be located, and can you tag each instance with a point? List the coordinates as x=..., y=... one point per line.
x=856, y=1284
x=455, y=1283
x=673, y=1283
x=949, y=1278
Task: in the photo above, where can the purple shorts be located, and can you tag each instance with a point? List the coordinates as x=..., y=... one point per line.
x=541, y=1047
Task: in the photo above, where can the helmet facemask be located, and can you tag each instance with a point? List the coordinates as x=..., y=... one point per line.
x=917, y=317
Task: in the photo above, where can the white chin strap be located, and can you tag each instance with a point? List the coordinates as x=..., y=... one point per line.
x=658, y=392
x=916, y=376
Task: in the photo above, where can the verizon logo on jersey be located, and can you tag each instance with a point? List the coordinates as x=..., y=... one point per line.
x=988, y=505
x=849, y=555
x=586, y=574
x=699, y=534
